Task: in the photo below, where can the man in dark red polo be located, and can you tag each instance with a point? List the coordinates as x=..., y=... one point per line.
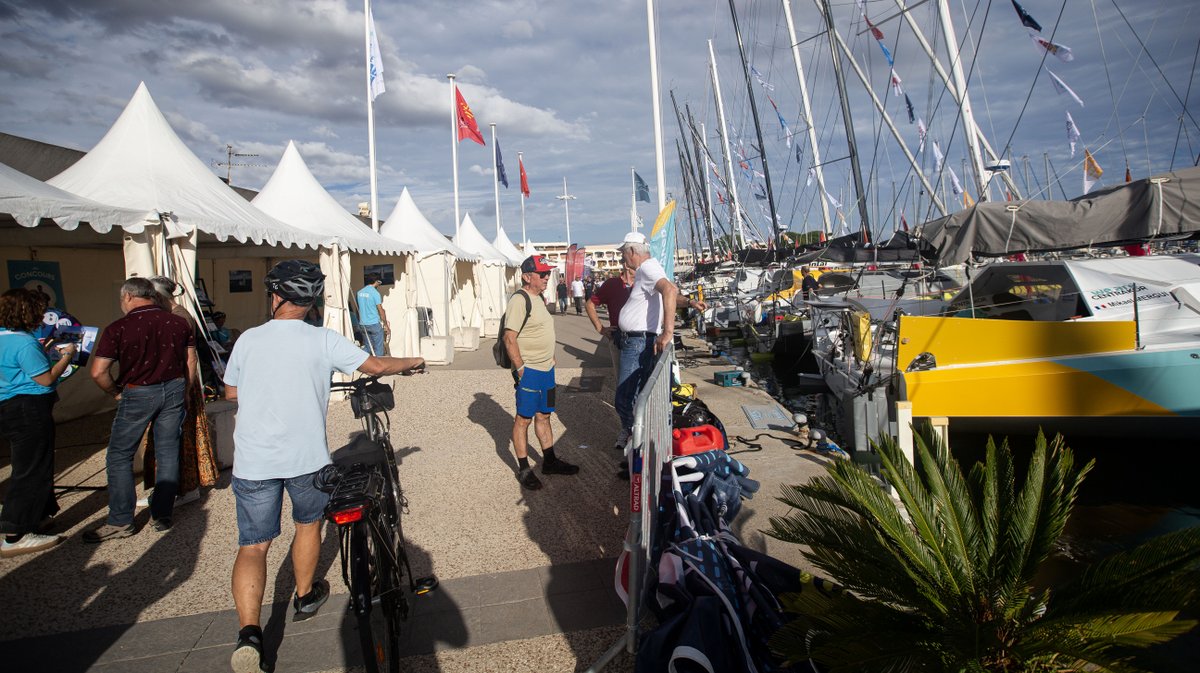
x=154, y=350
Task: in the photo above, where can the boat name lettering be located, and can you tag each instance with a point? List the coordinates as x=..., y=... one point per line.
x=1126, y=302
x=1107, y=292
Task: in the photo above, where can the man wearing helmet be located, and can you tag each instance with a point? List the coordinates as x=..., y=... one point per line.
x=279, y=373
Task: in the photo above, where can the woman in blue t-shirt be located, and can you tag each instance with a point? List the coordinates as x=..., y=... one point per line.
x=27, y=397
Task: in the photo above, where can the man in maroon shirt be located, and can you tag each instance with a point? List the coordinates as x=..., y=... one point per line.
x=155, y=351
x=612, y=293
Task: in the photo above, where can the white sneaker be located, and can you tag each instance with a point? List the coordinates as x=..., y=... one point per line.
x=144, y=501
x=28, y=544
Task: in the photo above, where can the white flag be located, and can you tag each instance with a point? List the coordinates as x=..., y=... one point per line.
x=832, y=201
x=921, y=133
x=1072, y=133
x=896, y=88
x=1091, y=171
x=937, y=158
x=1061, y=87
x=1061, y=51
x=812, y=173
x=954, y=183
x=762, y=82
x=375, y=65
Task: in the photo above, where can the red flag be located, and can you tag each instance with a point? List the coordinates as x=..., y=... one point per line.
x=1128, y=175
x=903, y=222
x=524, y=178
x=875, y=32
x=467, y=128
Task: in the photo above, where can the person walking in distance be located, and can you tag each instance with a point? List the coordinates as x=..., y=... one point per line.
x=577, y=295
x=529, y=339
x=27, y=397
x=155, y=352
x=562, y=293
x=371, y=316
x=279, y=375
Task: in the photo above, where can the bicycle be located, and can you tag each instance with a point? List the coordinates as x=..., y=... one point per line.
x=365, y=503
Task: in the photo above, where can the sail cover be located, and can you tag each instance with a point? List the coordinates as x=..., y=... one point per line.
x=1164, y=206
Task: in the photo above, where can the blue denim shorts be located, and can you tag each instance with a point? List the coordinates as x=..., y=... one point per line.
x=260, y=505
x=535, y=393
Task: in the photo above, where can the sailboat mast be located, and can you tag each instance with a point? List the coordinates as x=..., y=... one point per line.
x=708, y=190
x=847, y=120
x=813, y=147
x=735, y=209
x=970, y=132
x=659, y=163
x=762, y=148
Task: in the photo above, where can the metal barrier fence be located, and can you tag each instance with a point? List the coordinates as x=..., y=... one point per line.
x=651, y=451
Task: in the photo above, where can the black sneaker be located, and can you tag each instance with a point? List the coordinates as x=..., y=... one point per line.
x=307, y=606
x=247, y=654
x=161, y=525
x=558, y=466
x=528, y=479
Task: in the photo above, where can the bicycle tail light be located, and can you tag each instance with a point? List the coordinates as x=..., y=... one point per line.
x=349, y=515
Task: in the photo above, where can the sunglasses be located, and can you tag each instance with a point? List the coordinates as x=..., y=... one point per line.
x=544, y=274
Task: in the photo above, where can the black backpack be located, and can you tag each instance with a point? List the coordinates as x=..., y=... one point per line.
x=499, y=352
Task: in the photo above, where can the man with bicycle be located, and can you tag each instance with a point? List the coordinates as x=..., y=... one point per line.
x=279, y=374
x=529, y=338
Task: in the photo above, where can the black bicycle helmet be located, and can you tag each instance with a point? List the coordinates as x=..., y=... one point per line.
x=297, y=281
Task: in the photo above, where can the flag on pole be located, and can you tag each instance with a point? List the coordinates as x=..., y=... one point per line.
x=524, y=178
x=955, y=185
x=1128, y=175
x=922, y=133
x=912, y=115
x=1072, y=133
x=762, y=82
x=903, y=222
x=1091, y=171
x=662, y=239
x=500, y=166
x=832, y=201
x=899, y=91
x=641, y=189
x=1062, y=88
x=938, y=158
x=967, y=200
x=1026, y=19
x=375, y=67
x=1059, y=51
x=467, y=128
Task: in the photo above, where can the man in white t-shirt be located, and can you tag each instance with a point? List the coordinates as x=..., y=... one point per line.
x=577, y=295
x=647, y=323
x=279, y=373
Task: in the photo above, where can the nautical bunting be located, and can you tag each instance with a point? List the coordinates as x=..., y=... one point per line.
x=812, y=173
x=798, y=151
x=896, y=88
x=911, y=113
x=1091, y=171
x=922, y=132
x=832, y=201
x=887, y=54
x=1072, y=133
x=1062, y=88
x=1026, y=19
x=938, y=158
x=955, y=185
x=1059, y=51
x=787, y=132
x=762, y=82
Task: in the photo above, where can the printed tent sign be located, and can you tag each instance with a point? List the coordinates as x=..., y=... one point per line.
x=42, y=277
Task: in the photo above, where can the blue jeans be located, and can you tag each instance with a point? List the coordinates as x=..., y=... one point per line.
x=160, y=404
x=637, y=361
x=373, y=343
x=260, y=505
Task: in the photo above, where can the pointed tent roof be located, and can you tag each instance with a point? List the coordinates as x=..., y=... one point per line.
x=506, y=247
x=472, y=241
x=141, y=164
x=29, y=200
x=294, y=196
x=530, y=249
x=407, y=225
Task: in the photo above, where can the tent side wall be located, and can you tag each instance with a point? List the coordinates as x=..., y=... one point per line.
x=395, y=299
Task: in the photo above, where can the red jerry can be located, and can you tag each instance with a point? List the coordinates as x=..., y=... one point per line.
x=686, y=441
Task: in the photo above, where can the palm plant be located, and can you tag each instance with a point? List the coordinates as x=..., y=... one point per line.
x=944, y=580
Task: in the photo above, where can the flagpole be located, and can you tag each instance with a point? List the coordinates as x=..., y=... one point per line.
x=735, y=209
x=495, y=178
x=454, y=144
x=567, y=199
x=524, y=239
x=370, y=116
x=632, y=201
x=659, y=165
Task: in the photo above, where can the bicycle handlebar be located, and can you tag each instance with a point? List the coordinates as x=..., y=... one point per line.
x=362, y=383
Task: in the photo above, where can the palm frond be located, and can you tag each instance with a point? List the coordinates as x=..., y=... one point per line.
x=1157, y=574
x=956, y=513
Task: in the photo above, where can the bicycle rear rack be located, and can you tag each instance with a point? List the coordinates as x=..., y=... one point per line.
x=356, y=493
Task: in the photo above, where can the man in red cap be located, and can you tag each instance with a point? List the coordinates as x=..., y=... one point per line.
x=529, y=338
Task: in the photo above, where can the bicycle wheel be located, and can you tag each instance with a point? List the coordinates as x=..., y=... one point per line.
x=374, y=588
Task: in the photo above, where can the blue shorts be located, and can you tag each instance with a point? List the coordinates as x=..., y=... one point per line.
x=535, y=393
x=260, y=505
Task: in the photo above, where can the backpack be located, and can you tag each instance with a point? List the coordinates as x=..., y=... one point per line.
x=499, y=352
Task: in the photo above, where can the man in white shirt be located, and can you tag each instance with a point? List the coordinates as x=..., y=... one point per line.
x=577, y=295
x=279, y=374
x=647, y=323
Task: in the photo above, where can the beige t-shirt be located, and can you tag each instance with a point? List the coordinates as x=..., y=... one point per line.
x=536, y=340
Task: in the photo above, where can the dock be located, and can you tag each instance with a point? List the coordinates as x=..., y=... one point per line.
x=526, y=578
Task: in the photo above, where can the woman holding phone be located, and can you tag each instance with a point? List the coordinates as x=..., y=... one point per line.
x=27, y=379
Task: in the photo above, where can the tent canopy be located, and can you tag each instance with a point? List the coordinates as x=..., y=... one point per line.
x=472, y=241
x=506, y=248
x=294, y=196
x=141, y=164
x=407, y=225
x=30, y=200
x=1161, y=206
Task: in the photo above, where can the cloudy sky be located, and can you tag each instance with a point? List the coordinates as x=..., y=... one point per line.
x=567, y=83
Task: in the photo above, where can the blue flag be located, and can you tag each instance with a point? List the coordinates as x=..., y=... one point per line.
x=912, y=117
x=1027, y=20
x=641, y=188
x=500, y=166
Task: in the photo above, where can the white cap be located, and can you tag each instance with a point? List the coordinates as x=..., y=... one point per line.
x=633, y=237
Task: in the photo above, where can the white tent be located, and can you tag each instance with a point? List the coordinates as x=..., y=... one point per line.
x=442, y=287
x=551, y=293
x=506, y=247
x=492, y=275
x=294, y=196
x=29, y=200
